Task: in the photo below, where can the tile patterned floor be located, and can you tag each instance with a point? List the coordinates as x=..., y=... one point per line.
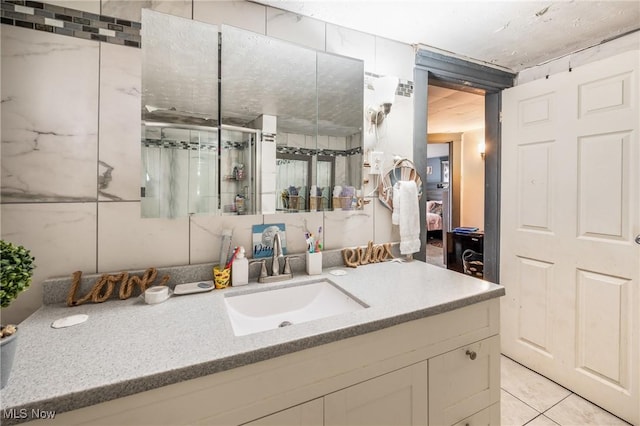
x=528, y=398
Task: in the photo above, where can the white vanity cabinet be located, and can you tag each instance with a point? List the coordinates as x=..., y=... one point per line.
x=464, y=381
x=398, y=398
x=439, y=370
x=458, y=388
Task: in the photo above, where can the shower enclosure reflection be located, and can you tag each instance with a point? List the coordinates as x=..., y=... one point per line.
x=180, y=170
x=180, y=135
x=238, y=169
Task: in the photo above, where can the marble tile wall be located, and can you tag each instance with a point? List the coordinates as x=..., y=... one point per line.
x=70, y=151
x=119, y=136
x=127, y=9
x=48, y=151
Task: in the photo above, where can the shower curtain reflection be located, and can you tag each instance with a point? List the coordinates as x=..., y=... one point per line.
x=293, y=176
x=179, y=172
x=325, y=181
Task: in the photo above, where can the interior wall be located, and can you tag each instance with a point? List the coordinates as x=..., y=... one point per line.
x=455, y=170
x=73, y=108
x=472, y=180
x=467, y=176
x=437, y=150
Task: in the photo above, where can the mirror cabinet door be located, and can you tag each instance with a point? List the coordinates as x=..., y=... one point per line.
x=179, y=116
x=266, y=81
x=340, y=121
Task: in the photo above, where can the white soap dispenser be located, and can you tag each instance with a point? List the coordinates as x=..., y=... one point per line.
x=240, y=269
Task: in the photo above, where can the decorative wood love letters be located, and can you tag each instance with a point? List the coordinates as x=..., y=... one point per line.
x=103, y=288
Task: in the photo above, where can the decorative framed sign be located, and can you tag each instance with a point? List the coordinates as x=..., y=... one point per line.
x=262, y=239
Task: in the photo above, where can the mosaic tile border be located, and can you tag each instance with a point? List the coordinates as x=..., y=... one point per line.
x=234, y=145
x=174, y=144
x=405, y=87
x=70, y=22
x=327, y=152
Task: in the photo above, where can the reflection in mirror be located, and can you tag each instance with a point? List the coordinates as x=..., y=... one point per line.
x=265, y=77
x=293, y=175
x=340, y=84
x=237, y=187
x=179, y=116
x=179, y=170
x=277, y=100
x=325, y=179
x=262, y=75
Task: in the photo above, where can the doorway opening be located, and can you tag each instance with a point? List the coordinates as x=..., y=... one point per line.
x=455, y=173
x=456, y=73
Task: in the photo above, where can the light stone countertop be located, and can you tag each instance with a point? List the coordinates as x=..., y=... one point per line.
x=126, y=346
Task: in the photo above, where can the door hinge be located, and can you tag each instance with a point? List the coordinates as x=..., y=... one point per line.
x=500, y=116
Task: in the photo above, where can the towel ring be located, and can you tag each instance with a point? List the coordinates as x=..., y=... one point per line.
x=403, y=169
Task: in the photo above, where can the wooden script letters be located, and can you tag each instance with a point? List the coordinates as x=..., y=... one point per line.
x=103, y=288
x=364, y=255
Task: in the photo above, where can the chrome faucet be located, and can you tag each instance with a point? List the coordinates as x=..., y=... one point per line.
x=276, y=275
x=277, y=254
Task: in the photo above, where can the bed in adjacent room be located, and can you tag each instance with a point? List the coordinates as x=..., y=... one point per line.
x=434, y=215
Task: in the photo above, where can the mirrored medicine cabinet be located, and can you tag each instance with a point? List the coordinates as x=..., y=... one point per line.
x=235, y=122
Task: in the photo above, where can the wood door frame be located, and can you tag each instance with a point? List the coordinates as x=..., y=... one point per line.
x=458, y=74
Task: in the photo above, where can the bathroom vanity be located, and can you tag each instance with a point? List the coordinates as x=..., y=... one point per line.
x=423, y=350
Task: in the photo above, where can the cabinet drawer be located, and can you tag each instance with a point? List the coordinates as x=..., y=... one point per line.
x=397, y=398
x=488, y=417
x=308, y=414
x=464, y=381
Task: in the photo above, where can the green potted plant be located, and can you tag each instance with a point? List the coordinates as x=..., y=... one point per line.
x=15, y=276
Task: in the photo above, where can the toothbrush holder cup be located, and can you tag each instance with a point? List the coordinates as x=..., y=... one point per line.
x=221, y=276
x=314, y=263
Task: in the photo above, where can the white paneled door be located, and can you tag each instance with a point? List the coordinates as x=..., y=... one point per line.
x=569, y=219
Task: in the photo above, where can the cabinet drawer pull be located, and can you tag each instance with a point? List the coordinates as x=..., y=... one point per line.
x=471, y=354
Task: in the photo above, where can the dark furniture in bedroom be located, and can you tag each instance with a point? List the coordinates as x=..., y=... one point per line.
x=456, y=246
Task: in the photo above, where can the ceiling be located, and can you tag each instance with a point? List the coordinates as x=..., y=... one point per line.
x=452, y=111
x=512, y=35
x=509, y=34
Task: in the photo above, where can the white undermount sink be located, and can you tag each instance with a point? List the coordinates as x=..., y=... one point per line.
x=267, y=309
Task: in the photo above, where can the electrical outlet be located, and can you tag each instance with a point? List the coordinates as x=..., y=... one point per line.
x=376, y=160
